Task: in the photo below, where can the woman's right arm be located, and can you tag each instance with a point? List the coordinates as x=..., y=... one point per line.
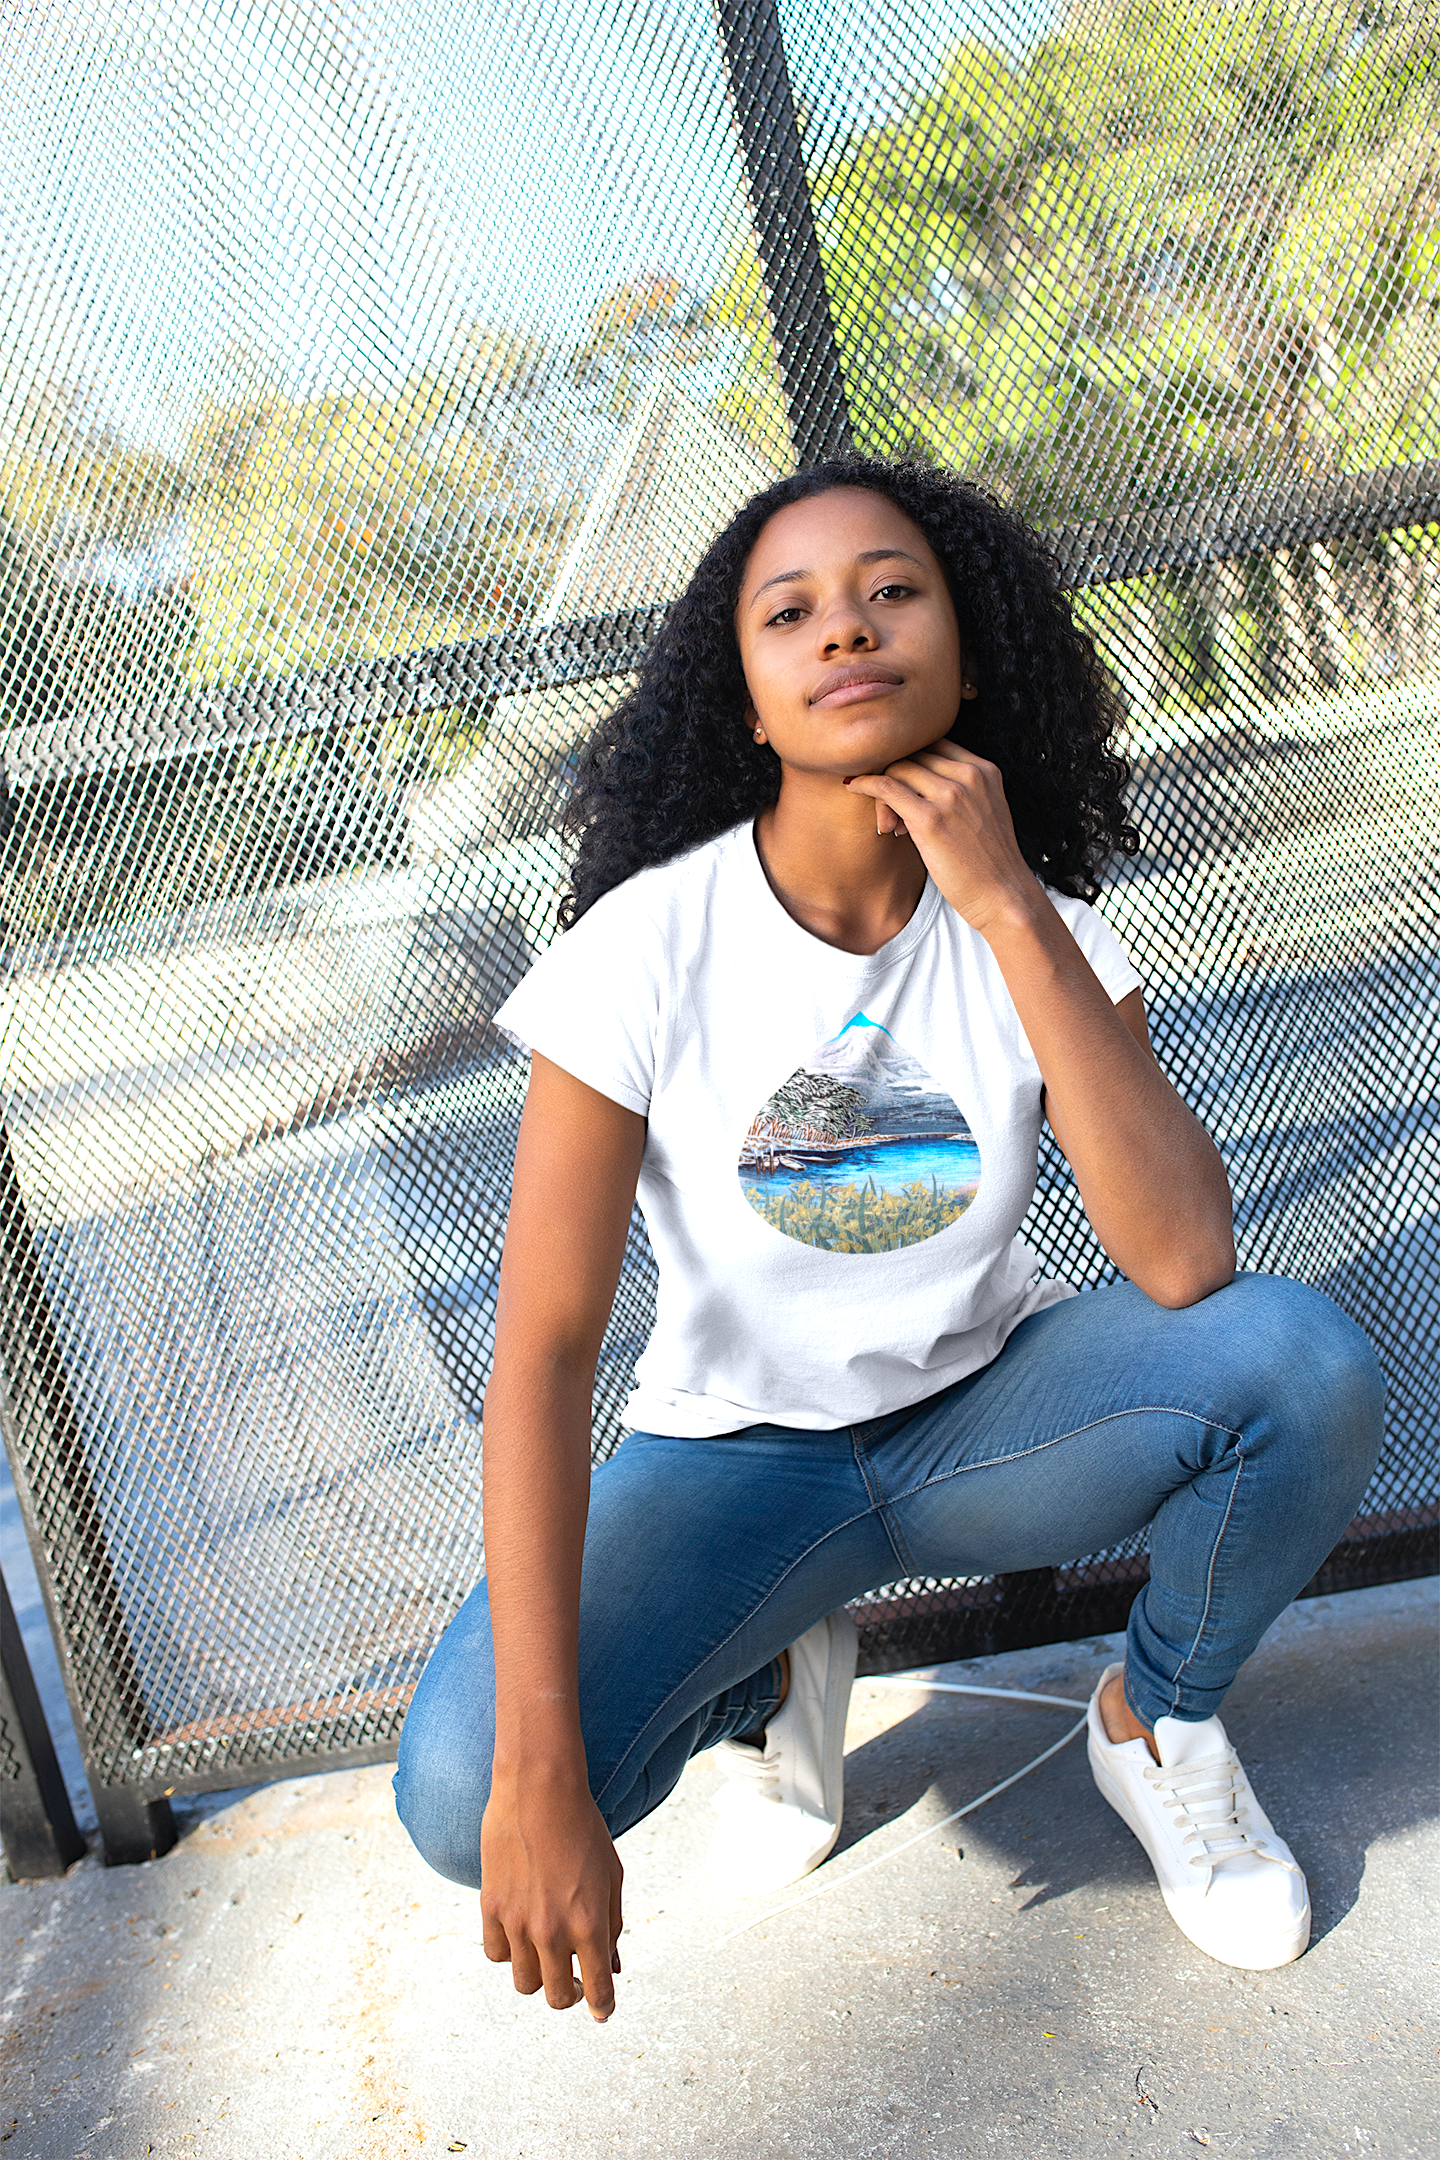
x=550, y=1874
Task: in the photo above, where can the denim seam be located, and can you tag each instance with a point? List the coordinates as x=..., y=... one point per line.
x=881, y=1506
x=660, y=1708
x=1111, y=1418
x=1209, y=1588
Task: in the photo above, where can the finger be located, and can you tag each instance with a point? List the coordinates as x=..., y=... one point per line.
x=930, y=782
x=949, y=759
x=598, y=1965
x=923, y=770
x=945, y=757
x=884, y=788
x=562, y=1989
x=497, y=1942
x=525, y=1968
x=900, y=805
x=617, y=1912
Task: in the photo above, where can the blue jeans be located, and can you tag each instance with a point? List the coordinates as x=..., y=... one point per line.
x=1241, y=1430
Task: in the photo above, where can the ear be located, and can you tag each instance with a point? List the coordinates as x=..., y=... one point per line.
x=969, y=687
x=752, y=722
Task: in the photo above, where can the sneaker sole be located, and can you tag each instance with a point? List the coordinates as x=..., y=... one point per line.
x=839, y=1680
x=1283, y=1952
x=741, y=1879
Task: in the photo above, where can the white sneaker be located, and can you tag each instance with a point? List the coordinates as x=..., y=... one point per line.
x=1231, y=1882
x=782, y=1802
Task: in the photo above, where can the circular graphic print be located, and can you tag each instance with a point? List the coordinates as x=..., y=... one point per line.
x=859, y=1151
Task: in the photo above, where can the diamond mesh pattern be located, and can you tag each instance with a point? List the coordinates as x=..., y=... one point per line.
x=11, y=1765
x=349, y=462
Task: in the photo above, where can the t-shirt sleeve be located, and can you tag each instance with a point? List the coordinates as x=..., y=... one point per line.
x=590, y=1005
x=1106, y=955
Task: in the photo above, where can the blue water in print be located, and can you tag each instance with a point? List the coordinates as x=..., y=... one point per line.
x=952, y=1163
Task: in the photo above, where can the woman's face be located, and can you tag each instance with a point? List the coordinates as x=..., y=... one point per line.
x=848, y=636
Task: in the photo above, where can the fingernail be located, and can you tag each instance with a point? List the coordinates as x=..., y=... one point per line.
x=614, y=1961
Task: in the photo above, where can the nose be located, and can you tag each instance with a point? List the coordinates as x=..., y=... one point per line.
x=843, y=629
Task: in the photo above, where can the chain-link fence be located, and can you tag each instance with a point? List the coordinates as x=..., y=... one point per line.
x=373, y=378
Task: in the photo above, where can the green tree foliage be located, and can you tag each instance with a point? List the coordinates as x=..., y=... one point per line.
x=294, y=532
x=371, y=521
x=94, y=585
x=1173, y=242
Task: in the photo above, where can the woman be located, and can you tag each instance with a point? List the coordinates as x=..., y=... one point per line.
x=828, y=958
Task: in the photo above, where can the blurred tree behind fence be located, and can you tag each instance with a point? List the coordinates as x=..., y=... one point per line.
x=1158, y=251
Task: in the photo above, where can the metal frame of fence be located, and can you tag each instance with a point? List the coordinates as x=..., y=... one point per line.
x=42, y=1424
x=38, y=1824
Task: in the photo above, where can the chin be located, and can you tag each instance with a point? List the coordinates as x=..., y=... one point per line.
x=866, y=751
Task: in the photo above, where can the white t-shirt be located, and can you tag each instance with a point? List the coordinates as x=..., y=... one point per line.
x=840, y=1146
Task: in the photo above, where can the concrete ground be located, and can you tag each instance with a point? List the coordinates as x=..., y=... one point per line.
x=1012, y=1981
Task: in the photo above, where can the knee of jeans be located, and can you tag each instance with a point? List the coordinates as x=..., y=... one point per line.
x=1331, y=1376
x=441, y=1806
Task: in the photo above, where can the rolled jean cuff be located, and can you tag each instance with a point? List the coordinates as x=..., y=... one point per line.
x=743, y=1712
x=1155, y=1687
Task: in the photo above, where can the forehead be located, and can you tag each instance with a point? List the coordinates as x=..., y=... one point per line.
x=832, y=529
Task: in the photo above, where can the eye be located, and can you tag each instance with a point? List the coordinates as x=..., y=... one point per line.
x=788, y=614
x=895, y=592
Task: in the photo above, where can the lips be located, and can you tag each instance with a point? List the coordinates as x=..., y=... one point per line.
x=849, y=685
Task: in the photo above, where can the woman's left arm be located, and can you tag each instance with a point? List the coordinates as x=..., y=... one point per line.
x=1150, y=1176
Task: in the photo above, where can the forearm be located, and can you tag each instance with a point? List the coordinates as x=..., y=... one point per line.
x=551, y=1878
x=537, y=1485
x=551, y=1875
x=575, y=1170
x=1152, y=1181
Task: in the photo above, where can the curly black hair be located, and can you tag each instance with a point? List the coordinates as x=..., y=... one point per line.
x=673, y=766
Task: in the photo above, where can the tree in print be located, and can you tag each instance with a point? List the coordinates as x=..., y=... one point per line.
x=813, y=1108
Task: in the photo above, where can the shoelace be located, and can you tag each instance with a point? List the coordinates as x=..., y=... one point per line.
x=1205, y=1798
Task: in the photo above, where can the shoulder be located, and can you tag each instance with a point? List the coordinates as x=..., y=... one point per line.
x=668, y=896
x=1081, y=916
x=1076, y=914
x=1099, y=943
x=595, y=1001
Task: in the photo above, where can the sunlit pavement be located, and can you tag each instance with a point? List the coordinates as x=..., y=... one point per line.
x=292, y=1981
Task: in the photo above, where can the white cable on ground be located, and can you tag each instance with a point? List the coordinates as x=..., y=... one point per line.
x=932, y=1687
x=956, y=1687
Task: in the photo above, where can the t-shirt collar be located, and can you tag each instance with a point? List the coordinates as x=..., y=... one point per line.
x=782, y=927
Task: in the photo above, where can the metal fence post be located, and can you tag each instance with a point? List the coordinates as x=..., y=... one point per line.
x=43, y=1427
x=40, y=1831
x=805, y=347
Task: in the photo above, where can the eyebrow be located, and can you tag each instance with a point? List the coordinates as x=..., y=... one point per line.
x=871, y=555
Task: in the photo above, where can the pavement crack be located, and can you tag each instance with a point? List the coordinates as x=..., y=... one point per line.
x=1143, y=2095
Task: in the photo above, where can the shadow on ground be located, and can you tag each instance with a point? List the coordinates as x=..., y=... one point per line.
x=1316, y=1723
x=292, y=1983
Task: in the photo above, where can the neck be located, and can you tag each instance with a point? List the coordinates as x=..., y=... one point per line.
x=828, y=867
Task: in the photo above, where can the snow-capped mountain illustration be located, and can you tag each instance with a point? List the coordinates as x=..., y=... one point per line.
x=900, y=1096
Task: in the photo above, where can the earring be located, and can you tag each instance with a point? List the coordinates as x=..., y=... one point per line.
x=759, y=734
x=968, y=688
